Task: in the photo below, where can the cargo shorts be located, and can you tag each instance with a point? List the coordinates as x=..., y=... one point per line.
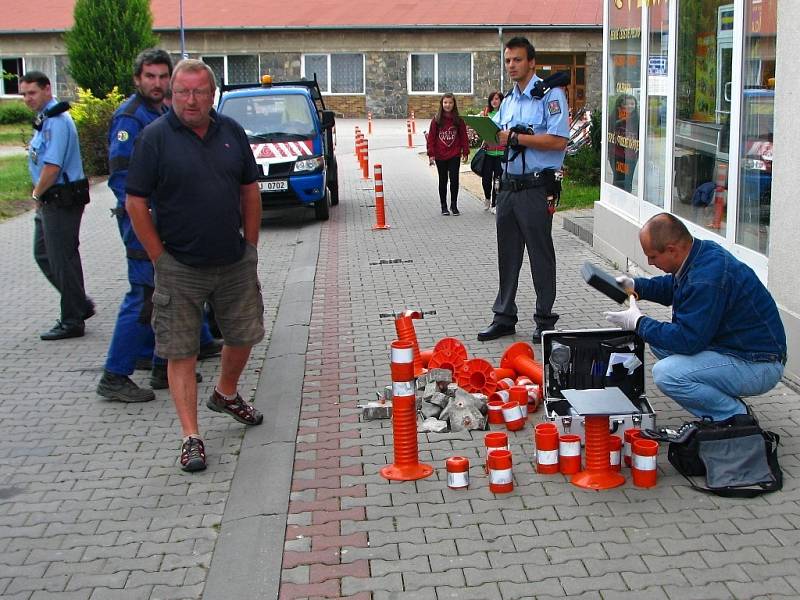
x=181, y=290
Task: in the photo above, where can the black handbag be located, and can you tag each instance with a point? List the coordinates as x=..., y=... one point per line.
x=736, y=456
x=477, y=162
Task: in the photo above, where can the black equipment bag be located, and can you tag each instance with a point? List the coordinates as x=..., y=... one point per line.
x=736, y=456
x=476, y=164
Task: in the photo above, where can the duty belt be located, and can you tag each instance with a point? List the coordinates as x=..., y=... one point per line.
x=516, y=183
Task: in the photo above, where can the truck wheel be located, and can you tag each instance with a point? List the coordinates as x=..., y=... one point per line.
x=334, y=182
x=322, y=208
x=334, y=191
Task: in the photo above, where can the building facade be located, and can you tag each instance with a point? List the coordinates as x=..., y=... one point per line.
x=698, y=102
x=389, y=61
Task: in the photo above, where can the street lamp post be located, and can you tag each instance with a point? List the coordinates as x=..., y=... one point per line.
x=183, y=38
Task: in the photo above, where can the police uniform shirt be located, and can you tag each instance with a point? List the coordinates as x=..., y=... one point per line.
x=543, y=115
x=56, y=144
x=126, y=124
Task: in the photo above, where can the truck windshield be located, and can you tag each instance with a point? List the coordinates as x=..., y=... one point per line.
x=277, y=116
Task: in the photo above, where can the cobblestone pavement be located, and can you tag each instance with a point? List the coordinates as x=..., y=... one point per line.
x=94, y=507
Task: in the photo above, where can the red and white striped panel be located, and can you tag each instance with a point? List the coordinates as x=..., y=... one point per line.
x=282, y=149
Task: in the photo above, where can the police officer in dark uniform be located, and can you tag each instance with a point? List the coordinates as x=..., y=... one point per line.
x=133, y=335
x=534, y=124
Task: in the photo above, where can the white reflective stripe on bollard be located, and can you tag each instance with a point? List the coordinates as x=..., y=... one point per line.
x=500, y=476
x=644, y=463
x=547, y=457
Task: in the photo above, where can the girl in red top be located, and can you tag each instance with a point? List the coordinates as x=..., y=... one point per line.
x=447, y=143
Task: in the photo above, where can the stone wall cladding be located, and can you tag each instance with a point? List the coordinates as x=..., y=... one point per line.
x=386, y=84
x=594, y=79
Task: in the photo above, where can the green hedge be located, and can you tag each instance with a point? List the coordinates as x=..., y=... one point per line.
x=14, y=112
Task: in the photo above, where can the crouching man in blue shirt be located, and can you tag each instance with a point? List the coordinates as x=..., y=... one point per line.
x=726, y=340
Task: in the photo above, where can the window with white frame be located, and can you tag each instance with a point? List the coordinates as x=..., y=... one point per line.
x=438, y=73
x=235, y=68
x=336, y=73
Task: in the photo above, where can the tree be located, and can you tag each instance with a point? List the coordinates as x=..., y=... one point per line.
x=104, y=41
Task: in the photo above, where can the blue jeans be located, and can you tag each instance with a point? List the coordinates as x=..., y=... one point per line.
x=712, y=384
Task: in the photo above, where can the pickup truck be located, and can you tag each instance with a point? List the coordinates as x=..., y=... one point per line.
x=291, y=134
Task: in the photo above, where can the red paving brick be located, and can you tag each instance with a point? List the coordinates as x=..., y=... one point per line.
x=357, y=513
x=327, y=589
x=355, y=491
x=358, y=568
x=328, y=556
x=330, y=373
x=321, y=542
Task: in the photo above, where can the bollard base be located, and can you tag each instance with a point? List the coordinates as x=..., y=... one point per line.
x=374, y=227
x=409, y=473
x=598, y=480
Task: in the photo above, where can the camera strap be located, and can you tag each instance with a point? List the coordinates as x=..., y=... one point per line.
x=56, y=109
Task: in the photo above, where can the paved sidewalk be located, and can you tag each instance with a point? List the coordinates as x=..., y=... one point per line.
x=93, y=506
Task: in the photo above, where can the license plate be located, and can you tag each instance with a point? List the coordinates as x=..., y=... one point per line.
x=273, y=186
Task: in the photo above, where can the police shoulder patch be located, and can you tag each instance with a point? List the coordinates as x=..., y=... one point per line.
x=122, y=135
x=554, y=107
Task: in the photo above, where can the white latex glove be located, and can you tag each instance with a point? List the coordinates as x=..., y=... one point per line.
x=626, y=319
x=626, y=282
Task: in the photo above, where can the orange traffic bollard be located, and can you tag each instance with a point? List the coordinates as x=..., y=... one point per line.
x=369, y=123
x=365, y=166
x=598, y=474
x=413, y=123
x=380, y=208
x=520, y=357
x=410, y=139
x=360, y=154
x=448, y=353
x=355, y=141
x=404, y=326
x=643, y=468
x=477, y=375
x=406, y=465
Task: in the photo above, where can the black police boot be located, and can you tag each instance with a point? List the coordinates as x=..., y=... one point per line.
x=122, y=389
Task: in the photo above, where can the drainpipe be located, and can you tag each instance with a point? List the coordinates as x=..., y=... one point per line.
x=500, y=38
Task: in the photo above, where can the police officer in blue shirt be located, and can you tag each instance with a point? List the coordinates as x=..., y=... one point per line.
x=133, y=335
x=535, y=127
x=60, y=191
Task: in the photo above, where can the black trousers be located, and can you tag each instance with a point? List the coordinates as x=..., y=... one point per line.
x=492, y=169
x=448, y=169
x=523, y=222
x=56, y=234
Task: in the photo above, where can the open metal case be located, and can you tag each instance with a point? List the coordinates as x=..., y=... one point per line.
x=591, y=359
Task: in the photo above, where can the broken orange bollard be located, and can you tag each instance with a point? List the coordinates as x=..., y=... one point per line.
x=404, y=326
x=406, y=465
x=520, y=357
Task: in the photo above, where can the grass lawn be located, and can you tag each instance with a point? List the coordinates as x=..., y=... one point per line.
x=16, y=134
x=578, y=195
x=573, y=194
x=15, y=186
